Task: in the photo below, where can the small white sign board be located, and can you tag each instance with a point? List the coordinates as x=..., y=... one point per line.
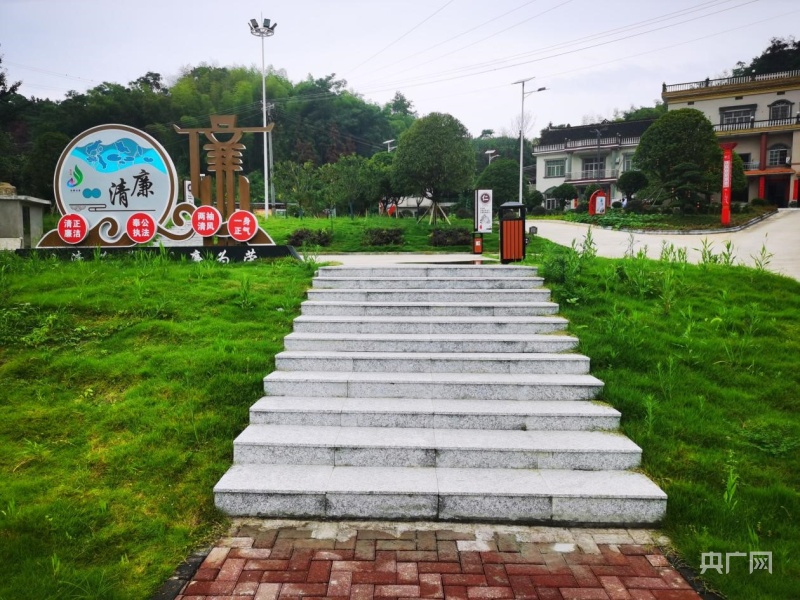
x=483, y=211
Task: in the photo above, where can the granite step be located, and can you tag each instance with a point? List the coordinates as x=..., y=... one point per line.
x=376, y=342
x=448, y=386
x=429, y=270
x=428, y=325
x=432, y=447
x=431, y=295
x=443, y=283
x=523, y=415
x=551, y=497
x=432, y=362
x=425, y=309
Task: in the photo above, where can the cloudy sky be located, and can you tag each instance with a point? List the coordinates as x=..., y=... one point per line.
x=454, y=56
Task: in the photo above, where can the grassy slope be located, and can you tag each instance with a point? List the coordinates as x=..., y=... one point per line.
x=702, y=363
x=125, y=382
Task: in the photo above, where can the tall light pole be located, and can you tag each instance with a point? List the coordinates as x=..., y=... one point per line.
x=522, y=128
x=492, y=154
x=389, y=146
x=264, y=31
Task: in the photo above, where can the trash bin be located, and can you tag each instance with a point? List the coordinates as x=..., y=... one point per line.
x=512, y=232
x=477, y=243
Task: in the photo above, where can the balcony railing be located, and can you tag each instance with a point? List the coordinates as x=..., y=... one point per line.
x=592, y=174
x=696, y=85
x=753, y=124
x=750, y=166
x=609, y=142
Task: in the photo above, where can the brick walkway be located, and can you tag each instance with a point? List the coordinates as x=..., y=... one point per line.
x=272, y=560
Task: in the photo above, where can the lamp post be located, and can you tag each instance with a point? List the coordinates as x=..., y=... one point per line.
x=389, y=146
x=492, y=154
x=264, y=31
x=522, y=128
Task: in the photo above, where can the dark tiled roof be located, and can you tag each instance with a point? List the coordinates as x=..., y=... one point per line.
x=584, y=132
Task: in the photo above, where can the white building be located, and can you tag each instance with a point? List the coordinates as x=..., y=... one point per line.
x=598, y=153
x=761, y=113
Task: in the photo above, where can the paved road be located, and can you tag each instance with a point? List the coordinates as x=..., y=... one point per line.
x=779, y=233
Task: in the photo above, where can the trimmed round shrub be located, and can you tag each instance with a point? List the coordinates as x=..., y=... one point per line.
x=635, y=206
x=383, y=237
x=616, y=204
x=758, y=202
x=538, y=211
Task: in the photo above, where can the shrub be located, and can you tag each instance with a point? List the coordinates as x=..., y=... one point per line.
x=378, y=236
x=616, y=204
x=454, y=236
x=583, y=207
x=312, y=237
x=689, y=209
x=635, y=206
x=538, y=211
x=463, y=212
x=792, y=203
x=758, y=202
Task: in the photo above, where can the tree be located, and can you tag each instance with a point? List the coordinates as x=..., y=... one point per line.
x=563, y=193
x=502, y=177
x=41, y=164
x=636, y=113
x=679, y=140
x=434, y=158
x=631, y=182
x=782, y=54
x=6, y=89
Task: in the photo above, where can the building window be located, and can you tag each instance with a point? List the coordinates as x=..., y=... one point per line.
x=738, y=115
x=747, y=160
x=554, y=168
x=782, y=109
x=777, y=155
x=593, y=168
x=550, y=203
x=627, y=162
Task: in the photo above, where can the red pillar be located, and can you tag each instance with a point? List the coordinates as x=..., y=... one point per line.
x=762, y=159
x=762, y=186
x=796, y=190
x=727, y=171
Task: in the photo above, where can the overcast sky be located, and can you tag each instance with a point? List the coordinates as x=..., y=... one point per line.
x=455, y=56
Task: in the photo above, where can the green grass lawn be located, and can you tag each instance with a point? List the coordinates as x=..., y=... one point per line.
x=702, y=361
x=125, y=381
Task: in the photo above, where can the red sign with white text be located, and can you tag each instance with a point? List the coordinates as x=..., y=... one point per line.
x=242, y=225
x=141, y=227
x=72, y=228
x=206, y=221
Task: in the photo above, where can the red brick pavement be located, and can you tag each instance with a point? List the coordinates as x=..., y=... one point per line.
x=289, y=564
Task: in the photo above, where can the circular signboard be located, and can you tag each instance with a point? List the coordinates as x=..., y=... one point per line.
x=141, y=227
x=114, y=171
x=72, y=228
x=242, y=225
x=206, y=221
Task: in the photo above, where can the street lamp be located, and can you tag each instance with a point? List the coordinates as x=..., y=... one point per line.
x=264, y=31
x=389, y=146
x=522, y=127
x=492, y=154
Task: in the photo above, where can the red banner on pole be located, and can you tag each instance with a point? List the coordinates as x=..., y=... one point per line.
x=727, y=176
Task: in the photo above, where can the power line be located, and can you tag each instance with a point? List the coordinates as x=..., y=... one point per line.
x=404, y=35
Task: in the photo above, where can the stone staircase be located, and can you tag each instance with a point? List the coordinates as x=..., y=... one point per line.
x=435, y=392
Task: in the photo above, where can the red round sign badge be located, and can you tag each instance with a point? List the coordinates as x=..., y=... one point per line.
x=242, y=225
x=141, y=227
x=73, y=228
x=206, y=221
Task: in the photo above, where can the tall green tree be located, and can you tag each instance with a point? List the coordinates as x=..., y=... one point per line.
x=681, y=154
x=434, y=158
x=41, y=164
x=502, y=177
